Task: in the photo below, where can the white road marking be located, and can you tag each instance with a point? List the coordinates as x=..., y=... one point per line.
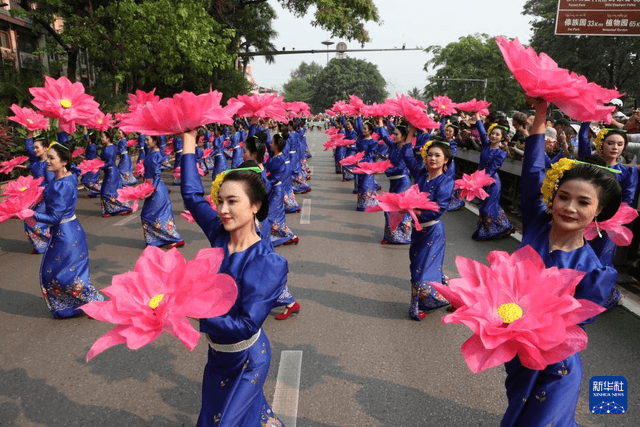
x=305, y=217
x=285, y=398
x=129, y=218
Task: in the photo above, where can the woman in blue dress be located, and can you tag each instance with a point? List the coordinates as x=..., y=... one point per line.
x=239, y=351
x=158, y=224
x=125, y=167
x=492, y=222
x=111, y=182
x=64, y=272
x=340, y=151
x=234, y=145
x=91, y=180
x=298, y=177
x=555, y=230
x=367, y=185
x=450, y=132
x=219, y=160
x=350, y=150
x=38, y=233
x=177, y=152
x=426, y=252
x=290, y=204
x=399, y=182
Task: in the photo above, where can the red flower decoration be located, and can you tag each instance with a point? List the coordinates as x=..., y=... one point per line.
x=443, y=105
x=372, y=167
x=517, y=306
x=540, y=76
x=28, y=118
x=61, y=99
x=620, y=235
x=406, y=107
x=470, y=186
x=140, y=98
x=263, y=106
x=78, y=152
x=87, y=166
x=162, y=292
x=473, y=106
x=135, y=193
x=183, y=112
x=410, y=201
x=8, y=165
x=352, y=160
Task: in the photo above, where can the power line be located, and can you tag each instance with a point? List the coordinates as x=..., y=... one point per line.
x=294, y=52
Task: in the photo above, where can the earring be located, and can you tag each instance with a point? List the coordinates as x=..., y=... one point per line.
x=597, y=227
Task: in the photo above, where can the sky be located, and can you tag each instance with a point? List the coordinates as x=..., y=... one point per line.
x=418, y=23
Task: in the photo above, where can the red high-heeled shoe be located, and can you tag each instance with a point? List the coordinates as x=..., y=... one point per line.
x=422, y=315
x=293, y=241
x=175, y=245
x=288, y=311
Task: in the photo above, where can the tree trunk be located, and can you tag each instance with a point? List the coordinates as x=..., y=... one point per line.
x=72, y=64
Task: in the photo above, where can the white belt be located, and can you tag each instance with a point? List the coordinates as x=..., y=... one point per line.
x=291, y=152
x=287, y=162
x=179, y=151
x=237, y=347
x=430, y=223
x=218, y=154
x=68, y=219
x=277, y=183
x=396, y=176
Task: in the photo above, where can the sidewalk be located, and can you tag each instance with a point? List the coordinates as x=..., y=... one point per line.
x=627, y=285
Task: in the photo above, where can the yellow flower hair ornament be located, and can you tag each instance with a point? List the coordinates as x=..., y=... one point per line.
x=601, y=136
x=215, y=186
x=427, y=145
x=550, y=183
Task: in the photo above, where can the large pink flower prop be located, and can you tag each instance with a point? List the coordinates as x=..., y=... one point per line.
x=207, y=152
x=376, y=110
x=357, y=104
x=263, y=106
x=352, y=160
x=87, y=166
x=406, y=107
x=135, y=193
x=540, y=76
x=28, y=118
x=23, y=194
x=78, y=152
x=331, y=131
x=330, y=112
x=341, y=107
x=410, y=201
x=61, y=99
x=8, y=165
x=19, y=186
x=183, y=112
x=614, y=226
x=470, y=186
x=132, y=142
x=517, y=306
x=335, y=140
x=372, y=167
x=139, y=169
x=443, y=105
x=159, y=295
x=140, y=98
x=473, y=106
x=176, y=172
x=101, y=122
x=297, y=109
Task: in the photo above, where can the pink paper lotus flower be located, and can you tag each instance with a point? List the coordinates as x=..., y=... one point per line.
x=78, y=152
x=406, y=107
x=61, y=99
x=19, y=186
x=342, y=107
x=473, y=106
x=168, y=150
x=162, y=292
x=410, y=201
x=372, y=167
x=333, y=141
x=265, y=106
x=207, y=152
x=140, y=98
x=620, y=235
x=376, y=110
x=330, y=112
x=470, y=186
x=341, y=142
x=135, y=193
x=443, y=105
x=517, y=306
x=176, y=172
x=28, y=118
x=8, y=165
x=139, y=169
x=87, y=166
x=102, y=122
x=132, y=142
x=352, y=160
x=331, y=131
x=540, y=76
x=357, y=104
x=183, y=112
x=187, y=215
x=23, y=195
x=297, y=109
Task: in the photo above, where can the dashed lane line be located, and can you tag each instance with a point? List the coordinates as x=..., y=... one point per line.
x=305, y=217
x=285, y=398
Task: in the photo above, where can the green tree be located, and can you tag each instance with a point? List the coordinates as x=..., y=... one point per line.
x=344, y=77
x=474, y=57
x=416, y=93
x=300, y=86
x=609, y=61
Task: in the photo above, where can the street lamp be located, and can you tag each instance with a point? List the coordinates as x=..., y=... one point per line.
x=327, y=43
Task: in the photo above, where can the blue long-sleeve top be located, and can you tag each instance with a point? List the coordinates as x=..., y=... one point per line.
x=399, y=168
x=108, y=156
x=536, y=225
x=153, y=167
x=206, y=141
x=277, y=169
x=490, y=160
x=60, y=197
x=234, y=141
x=122, y=146
x=358, y=126
x=370, y=148
x=260, y=274
x=253, y=129
x=91, y=152
x=440, y=188
x=162, y=144
x=178, y=145
x=218, y=144
x=584, y=145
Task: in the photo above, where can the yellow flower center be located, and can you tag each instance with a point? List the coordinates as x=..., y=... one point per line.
x=99, y=121
x=155, y=301
x=471, y=181
x=65, y=103
x=30, y=121
x=443, y=106
x=24, y=188
x=510, y=312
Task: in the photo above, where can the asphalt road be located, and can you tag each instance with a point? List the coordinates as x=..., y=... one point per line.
x=363, y=361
